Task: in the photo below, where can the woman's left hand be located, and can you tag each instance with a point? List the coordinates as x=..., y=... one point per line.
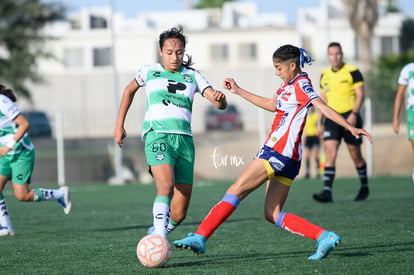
x=4, y=150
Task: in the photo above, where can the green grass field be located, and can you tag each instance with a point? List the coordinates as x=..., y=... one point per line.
x=101, y=233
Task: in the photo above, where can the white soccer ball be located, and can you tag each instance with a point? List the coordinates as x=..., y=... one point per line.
x=153, y=251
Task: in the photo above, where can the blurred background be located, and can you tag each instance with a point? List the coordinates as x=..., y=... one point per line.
x=68, y=62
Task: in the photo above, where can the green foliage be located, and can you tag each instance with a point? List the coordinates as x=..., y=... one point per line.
x=381, y=84
x=204, y=4
x=106, y=223
x=21, y=39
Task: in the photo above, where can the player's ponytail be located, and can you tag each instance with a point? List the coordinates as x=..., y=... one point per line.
x=305, y=57
x=7, y=92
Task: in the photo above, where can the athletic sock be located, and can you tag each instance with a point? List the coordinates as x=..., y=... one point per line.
x=172, y=225
x=42, y=194
x=4, y=214
x=217, y=215
x=328, y=178
x=362, y=174
x=160, y=212
x=298, y=225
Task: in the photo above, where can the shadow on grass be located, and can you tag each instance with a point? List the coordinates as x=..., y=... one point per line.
x=253, y=257
x=380, y=248
x=134, y=227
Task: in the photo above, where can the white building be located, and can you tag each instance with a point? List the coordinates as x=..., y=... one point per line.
x=236, y=41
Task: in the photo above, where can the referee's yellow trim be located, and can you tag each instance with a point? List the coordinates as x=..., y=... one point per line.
x=271, y=174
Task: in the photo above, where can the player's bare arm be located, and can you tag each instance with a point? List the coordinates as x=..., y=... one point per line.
x=24, y=126
x=217, y=98
x=331, y=114
x=126, y=100
x=399, y=99
x=262, y=102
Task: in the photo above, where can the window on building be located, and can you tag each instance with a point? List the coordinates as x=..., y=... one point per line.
x=388, y=45
x=73, y=57
x=248, y=52
x=98, y=22
x=219, y=53
x=102, y=57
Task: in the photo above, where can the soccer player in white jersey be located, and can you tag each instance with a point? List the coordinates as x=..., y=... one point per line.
x=16, y=162
x=278, y=161
x=166, y=131
x=405, y=83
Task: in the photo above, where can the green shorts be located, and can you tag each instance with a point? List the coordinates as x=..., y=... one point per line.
x=410, y=123
x=19, y=167
x=174, y=149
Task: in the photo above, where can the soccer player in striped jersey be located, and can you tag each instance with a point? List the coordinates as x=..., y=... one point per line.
x=278, y=161
x=166, y=131
x=17, y=156
x=405, y=83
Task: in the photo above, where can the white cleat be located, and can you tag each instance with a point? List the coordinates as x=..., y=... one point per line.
x=65, y=200
x=4, y=231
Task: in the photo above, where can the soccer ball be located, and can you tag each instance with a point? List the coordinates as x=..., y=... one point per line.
x=153, y=251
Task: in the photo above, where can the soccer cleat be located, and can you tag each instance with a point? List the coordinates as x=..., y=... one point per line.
x=5, y=231
x=324, y=196
x=193, y=241
x=65, y=200
x=362, y=194
x=326, y=242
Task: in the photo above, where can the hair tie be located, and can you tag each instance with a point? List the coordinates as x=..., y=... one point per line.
x=304, y=57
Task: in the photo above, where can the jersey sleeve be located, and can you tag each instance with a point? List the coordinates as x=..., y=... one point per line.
x=357, y=78
x=403, y=78
x=141, y=76
x=8, y=108
x=305, y=92
x=202, y=82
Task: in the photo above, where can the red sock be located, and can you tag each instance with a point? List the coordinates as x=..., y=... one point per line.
x=218, y=214
x=298, y=225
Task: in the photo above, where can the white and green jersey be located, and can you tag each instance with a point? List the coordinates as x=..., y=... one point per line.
x=8, y=112
x=169, y=98
x=407, y=79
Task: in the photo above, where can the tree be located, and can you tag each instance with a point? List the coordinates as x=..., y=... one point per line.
x=21, y=40
x=381, y=84
x=363, y=16
x=203, y=4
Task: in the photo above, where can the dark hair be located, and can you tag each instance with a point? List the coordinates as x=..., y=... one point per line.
x=176, y=32
x=290, y=53
x=7, y=92
x=335, y=44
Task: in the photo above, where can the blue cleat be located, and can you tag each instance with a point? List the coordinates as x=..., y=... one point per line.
x=150, y=230
x=193, y=241
x=326, y=242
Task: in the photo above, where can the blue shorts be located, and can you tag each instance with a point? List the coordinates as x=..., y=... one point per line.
x=283, y=168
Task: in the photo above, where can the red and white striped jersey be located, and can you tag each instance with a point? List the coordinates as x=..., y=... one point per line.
x=292, y=104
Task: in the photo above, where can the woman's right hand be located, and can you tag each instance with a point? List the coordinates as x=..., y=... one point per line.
x=119, y=135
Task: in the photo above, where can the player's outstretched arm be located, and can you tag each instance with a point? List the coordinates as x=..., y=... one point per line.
x=217, y=98
x=332, y=115
x=262, y=102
